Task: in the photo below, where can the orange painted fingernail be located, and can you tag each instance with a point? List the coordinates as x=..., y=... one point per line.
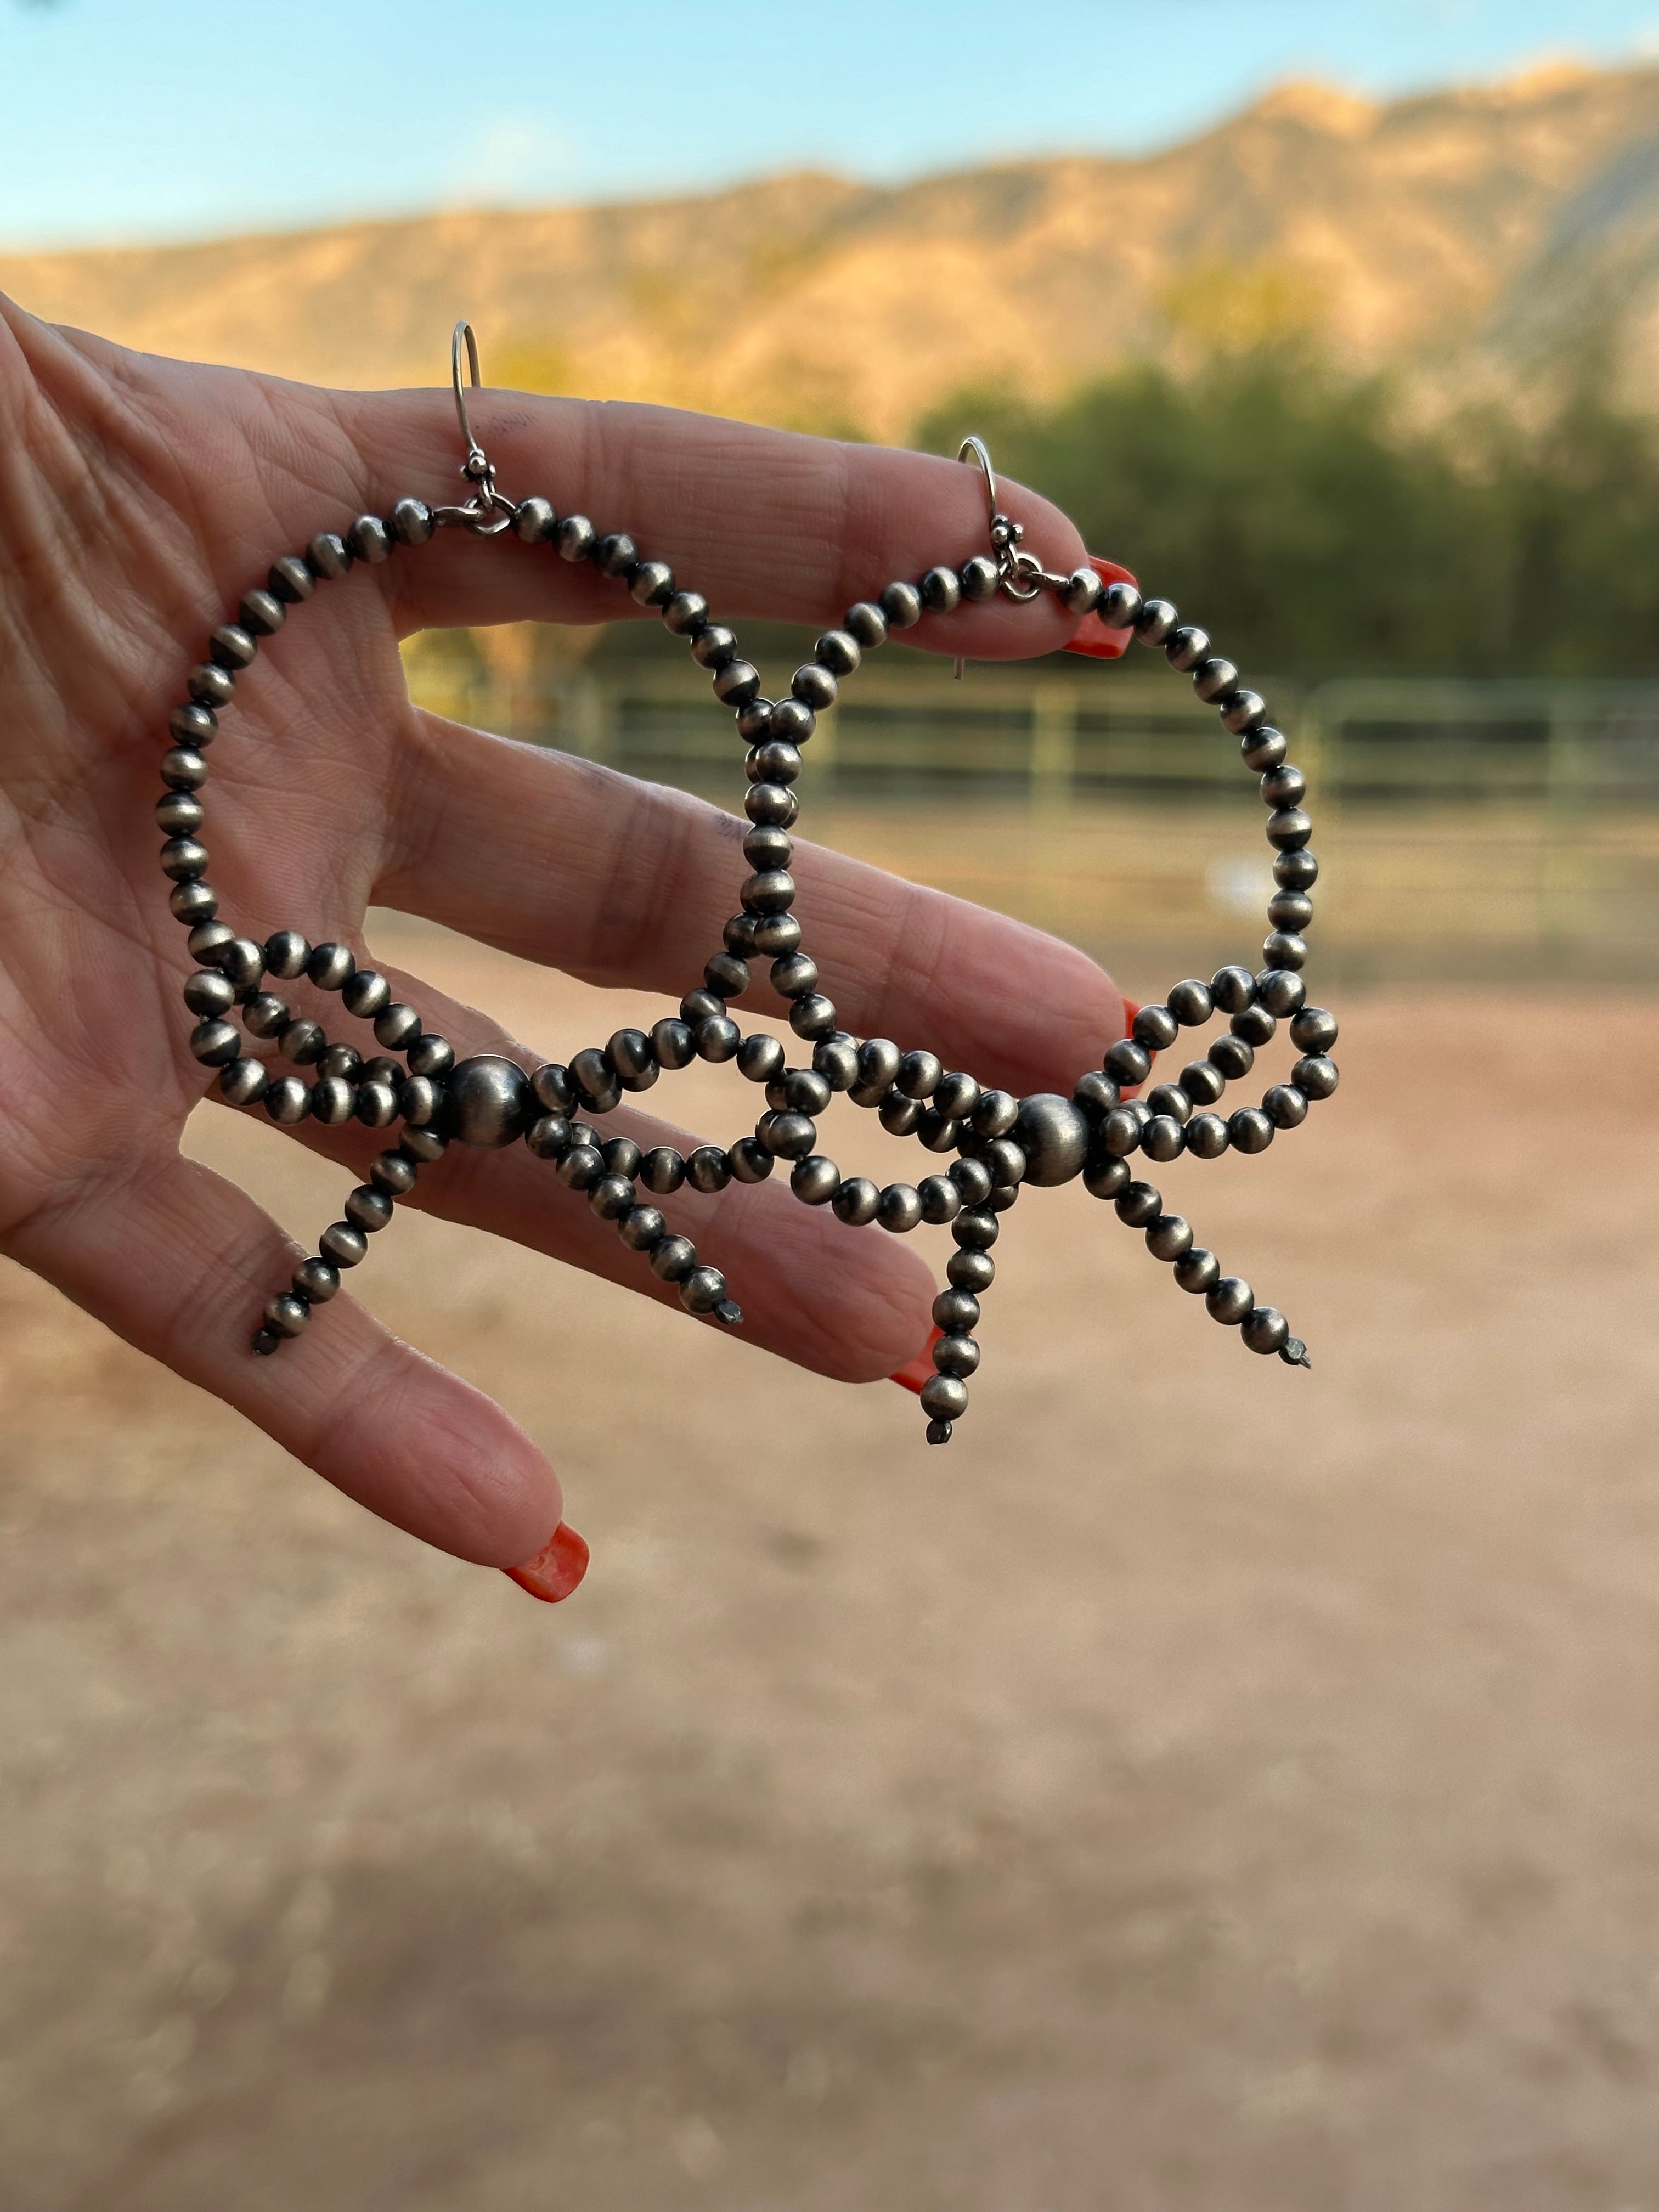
x=557, y=1568
x=917, y=1373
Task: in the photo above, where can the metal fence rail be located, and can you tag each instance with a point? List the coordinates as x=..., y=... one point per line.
x=1464, y=827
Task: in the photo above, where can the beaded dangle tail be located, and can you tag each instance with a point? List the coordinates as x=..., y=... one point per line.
x=996, y=1144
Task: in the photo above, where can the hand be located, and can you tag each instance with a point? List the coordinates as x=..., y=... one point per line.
x=139, y=498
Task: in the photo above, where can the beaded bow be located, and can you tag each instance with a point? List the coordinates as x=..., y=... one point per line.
x=997, y=1144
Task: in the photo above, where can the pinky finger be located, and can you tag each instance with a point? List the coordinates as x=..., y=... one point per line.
x=179, y=1262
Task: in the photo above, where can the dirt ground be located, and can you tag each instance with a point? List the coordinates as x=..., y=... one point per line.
x=1203, y=1788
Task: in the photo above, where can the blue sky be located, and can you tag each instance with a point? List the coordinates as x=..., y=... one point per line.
x=132, y=119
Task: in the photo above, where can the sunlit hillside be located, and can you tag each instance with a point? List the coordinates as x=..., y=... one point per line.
x=1458, y=235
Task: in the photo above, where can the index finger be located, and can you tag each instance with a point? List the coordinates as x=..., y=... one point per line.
x=762, y=522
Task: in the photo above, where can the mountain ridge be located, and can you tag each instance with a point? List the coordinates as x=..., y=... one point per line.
x=1460, y=238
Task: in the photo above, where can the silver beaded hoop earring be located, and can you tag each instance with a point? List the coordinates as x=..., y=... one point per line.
x=999, y=1143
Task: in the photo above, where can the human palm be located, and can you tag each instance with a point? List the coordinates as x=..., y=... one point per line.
x=139, y=499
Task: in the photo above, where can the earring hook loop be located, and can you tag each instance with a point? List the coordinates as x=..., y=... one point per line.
x=462, y=332
x=489, y=512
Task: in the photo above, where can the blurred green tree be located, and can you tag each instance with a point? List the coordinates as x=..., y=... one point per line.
x=1306, y=513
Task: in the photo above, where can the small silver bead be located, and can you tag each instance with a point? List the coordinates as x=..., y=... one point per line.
x=940, y=591
x=286, y=954
x=941, y=1200
x=183, y=769
x=1281, y=991
x=1314, y=1030
x=737, y=683
x=919, y=1074
x=815, y=1180
x=1296, y=872
x=412, y=523
x=718, y=1039
x=367, y=1209
x=365, y=993
x=615, y=554
x=1168, y=1098
x=899, y=1208
x=641, y=1228
x=1155, y=1027
x=1169, y=1238
x=290, y=581
x=1120, y=1133
x=342, y=1245
x=395, y=1173
x=1255, y=1025
x=1232, y=989
x=262, y=613
x=1229, y=1300
x=1315, y=1076
x=1289, y=828
x=980, y=577
x=553, y=1088
x=287, y=1101
x=316, y=1281
x=576, y=537
x=1205, y=1136
x=417, y=1098
x=839, y=652
x=328, y=556
x=1119, y=605
x=703, y=1289
x=1082, y=594
x=193, y=727
x=956, y=1354
x=1284, y=785
x=1263, y=748
x=208, y=941
x=857, y=1202
x=207, y=992
x=1203, y=1082
x=865, y=620
x=1291, y=911
x=1265, y=1329
x=369, y=539
x=1155, y=624
x=1163, y=1138
x=1186, y=648
x=288, y=1314
x=957, y=1312
x=233, y=648
x=968, y=1270
x=652, y=584
x=244, y=1082
x=214, y=1043
x=429, y=1055
x=1244, y=712
x=1213, y=677
x=333, y=1101
x=1140, y=1205
x=549, y=1137
x=193, y=901
x=973, y=1179
x=901, y=604
x=330, y=967
x=612, y=1197
x=749, y=1162
x=302, y=1042
x=1128, y=1062
x=581, y=1166
x=708, y=1170
x=685, y=613
x=1286, y=1107
x=945, y=1397
x=1233, y=1055
x=1199, y=1270
x=713, y=645
x=1284, y=949
x=184, y=859
x=535, y=521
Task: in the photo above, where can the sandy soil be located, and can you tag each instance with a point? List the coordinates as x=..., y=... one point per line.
x=1204, y=1786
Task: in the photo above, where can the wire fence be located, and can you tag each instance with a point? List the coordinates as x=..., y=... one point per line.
x=1464, y=829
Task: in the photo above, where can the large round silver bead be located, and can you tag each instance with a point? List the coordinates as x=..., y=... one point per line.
x=490, y=1100
x=1053, y=1135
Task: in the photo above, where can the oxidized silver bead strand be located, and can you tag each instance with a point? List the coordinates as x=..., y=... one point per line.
x=999, y=1143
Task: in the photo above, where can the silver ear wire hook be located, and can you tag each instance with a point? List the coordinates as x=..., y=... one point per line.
x=489, y=512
